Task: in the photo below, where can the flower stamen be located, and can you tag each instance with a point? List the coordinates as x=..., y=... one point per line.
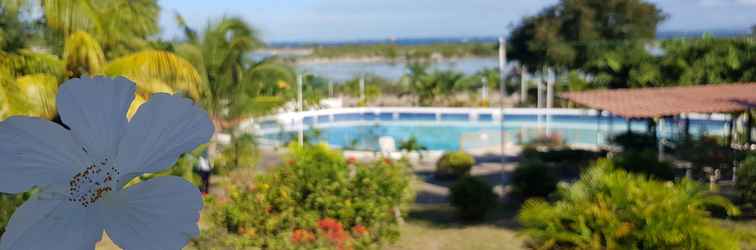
x=92, y=183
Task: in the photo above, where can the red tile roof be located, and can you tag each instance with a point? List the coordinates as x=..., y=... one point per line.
x=667, y=101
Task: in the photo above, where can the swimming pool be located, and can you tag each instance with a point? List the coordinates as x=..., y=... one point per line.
x=460, y=128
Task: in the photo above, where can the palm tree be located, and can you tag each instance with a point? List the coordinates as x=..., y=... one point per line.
x=30, y=78
x=418, y=80
x=236, y=86
x=152, y=70
x=120, y=26
x=27, y=77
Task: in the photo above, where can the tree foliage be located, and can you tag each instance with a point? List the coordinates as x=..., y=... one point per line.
x=708, y=60
x=572, y=33
x=120, y=26
x=235, y=86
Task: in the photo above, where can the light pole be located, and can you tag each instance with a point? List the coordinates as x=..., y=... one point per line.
x=362, y=89
x=330, y=88
x=523, y=87
x=503, y=92
x=549, y=100
x=484, y=90
x=300, y=105
x=539, y=100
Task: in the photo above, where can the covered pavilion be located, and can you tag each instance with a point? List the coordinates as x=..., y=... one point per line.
x=736, y=99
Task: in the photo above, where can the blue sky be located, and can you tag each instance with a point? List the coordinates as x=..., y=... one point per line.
x=336, y=20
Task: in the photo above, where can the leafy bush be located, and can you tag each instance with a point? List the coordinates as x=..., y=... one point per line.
x=533, y=179
x=546, y=141
x=285, y=208
x=632, y=141
x=411, y=145
x=472, y=197
x=610, y=208
x=645, y=162
x=454, y=164
x=746, y=181
x=8, y=204
x=567, y=162
x=241, y=153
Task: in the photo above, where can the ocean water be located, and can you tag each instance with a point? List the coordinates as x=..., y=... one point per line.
x=342, y=71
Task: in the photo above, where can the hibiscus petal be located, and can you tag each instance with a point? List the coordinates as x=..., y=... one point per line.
x=162, y=129
x=95, y=110
x=160, y=213
x=51, y=224
x=36, y=152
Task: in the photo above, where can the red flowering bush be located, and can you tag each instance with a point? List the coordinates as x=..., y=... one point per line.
x=302, y=236
x=334, y=232
x=360, y=230
x=351, y=160
x=318, y=201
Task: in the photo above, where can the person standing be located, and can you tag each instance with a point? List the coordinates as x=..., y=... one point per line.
x=204, y=169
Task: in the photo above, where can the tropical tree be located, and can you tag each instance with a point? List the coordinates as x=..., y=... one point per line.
x=418, y=80
x=236, y=87
x=612, y=209
x=28, y=78
x=152, y=70
x=427, y=86
x=446, y=82
x=373, y=90
x=590, y=35
x=708, y=60
x=120, y=26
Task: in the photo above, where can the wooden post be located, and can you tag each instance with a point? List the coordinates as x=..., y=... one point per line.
x=730, y=129
x=686, y=127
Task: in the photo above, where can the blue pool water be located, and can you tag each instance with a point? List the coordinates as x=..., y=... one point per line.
x=458, y=131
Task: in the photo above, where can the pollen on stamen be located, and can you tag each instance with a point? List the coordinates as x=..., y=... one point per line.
x=92, y=183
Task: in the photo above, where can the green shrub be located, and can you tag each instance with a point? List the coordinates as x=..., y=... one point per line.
x=645, y=162
x=472, y=197
x=546, y=141
x=610, y=208
x=241, y=153
x=8, y=204
x=746, y=181
x=285, y=207
x=632, y=141
x=454, y=164
x=411, y=145
x=533, y=179
x=567, y=162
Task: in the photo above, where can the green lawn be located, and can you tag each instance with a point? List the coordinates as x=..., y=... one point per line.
x=434, y=227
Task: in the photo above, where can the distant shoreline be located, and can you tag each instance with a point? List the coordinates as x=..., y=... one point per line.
x=375, y=59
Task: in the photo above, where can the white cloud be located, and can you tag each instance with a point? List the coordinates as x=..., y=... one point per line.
x=727, y=3
x=746, y=2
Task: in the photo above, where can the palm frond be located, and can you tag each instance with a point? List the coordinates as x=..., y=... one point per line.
x=150, y=68
x=82, y=55
x=39, y=91
x=27, y=62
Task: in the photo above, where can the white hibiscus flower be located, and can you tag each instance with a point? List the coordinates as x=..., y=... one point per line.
x=81, y=172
